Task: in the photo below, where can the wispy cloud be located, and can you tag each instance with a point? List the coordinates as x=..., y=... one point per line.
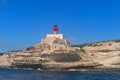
x=4, y=45
x=72, y=39
x=1, y=40
x=10, y=46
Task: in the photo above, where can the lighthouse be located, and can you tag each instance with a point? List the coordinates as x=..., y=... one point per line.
x=55, y=33
x=55, y=41
x=55, y=29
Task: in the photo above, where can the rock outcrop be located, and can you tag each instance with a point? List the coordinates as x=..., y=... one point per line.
x=106, y=53
x=57, y=54
x=4, y=61
x=50, y=51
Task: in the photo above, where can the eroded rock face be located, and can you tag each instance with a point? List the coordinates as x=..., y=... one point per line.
x=98, y=55
x=106, y=53
x=48, y=51
x=104, y=47
x=62, y=57
x=5, y=61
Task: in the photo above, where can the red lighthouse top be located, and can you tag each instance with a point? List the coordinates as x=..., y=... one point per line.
x=55, y=29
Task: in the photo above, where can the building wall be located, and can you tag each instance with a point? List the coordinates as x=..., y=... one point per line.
x=58, y=47
x=60, y=36
x=54, y=42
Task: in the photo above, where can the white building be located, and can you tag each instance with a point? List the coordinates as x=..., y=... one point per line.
x=55, y=41
x=60, y=36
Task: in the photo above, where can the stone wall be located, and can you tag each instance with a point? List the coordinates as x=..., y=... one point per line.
x=60, y=36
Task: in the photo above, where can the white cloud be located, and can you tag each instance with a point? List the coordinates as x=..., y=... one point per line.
x=5, y=45
x=73, y=39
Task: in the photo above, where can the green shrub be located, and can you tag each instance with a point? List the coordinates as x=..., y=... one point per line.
x=110, y=44
x=71, y=51
x=80, y=45
x=117, y=41
x=60, y=50
x=1, y=54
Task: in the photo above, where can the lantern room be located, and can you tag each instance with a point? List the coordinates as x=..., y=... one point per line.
x=55, y=29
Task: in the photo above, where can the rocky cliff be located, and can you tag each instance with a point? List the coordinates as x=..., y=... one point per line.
x=49, y=52
x=106, y=53
x=100, y=55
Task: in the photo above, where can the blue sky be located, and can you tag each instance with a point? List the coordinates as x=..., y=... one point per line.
x=24, y=22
